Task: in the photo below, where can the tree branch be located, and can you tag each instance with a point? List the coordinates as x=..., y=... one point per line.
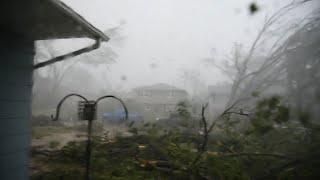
x=205, y=136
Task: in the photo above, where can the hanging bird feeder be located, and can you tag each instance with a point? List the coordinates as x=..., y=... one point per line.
x=87, y=111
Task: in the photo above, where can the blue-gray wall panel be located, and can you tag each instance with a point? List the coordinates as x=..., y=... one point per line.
x=15, y=76
x=12, y=166
x=14, y=143
x=16, y=59
x=10, y=109
x=14, y=126
x=16, y=93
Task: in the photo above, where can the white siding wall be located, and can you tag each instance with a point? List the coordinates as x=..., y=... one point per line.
x=16, y=61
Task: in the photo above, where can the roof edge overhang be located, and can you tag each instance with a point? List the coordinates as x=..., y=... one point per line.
x=96, y=33
x=45, y=19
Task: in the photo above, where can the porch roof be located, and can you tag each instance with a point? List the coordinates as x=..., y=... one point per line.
x=45, y=19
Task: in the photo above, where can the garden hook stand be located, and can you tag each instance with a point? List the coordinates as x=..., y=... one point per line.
x=87, y=110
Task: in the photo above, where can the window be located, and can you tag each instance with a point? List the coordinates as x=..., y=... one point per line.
x=171, y=94
x=146, y=93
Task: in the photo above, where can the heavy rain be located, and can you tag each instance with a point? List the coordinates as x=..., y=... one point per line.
x=161, y=89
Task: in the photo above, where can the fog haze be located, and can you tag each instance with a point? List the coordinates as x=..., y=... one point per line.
x=161, y=39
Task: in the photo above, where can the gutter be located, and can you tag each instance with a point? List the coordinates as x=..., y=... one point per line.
x=96, y=45
x=89, y=28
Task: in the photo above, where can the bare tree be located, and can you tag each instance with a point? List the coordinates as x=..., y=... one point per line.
x=54, y=75
x=192, y=81
x=250, y=70
x=102, y=56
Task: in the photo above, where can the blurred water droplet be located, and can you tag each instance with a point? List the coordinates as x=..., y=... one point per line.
x=253, y=8
x=123, y=78
x=153, y=65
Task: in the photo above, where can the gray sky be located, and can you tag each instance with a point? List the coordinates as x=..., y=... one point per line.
x=162, y=37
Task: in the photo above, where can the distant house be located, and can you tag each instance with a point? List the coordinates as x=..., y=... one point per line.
x=158, y=100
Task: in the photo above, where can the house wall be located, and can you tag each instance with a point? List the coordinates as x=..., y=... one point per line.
x=159, y=103
x=16, y=62
x=170, y=94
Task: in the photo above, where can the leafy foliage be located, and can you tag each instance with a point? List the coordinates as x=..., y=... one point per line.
x=269, y=112
x=182, y=109
x=268, y=149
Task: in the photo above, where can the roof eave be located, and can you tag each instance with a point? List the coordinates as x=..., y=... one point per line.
x=97, y=34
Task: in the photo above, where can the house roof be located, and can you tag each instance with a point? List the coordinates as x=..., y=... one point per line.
x=159, y=86
x=161, y=99
x=45, y=19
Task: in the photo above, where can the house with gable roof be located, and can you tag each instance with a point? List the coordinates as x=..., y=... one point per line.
x=158, y=100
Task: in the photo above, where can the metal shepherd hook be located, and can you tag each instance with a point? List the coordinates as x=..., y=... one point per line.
x=89, y=112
